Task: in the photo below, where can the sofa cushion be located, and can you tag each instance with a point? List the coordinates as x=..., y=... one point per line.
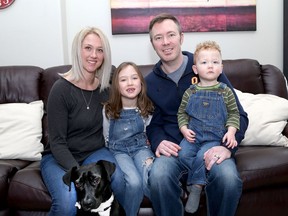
x=21, y=130
x=27, y=190
x=6, y=172
x=261, y=166
x=267, y=118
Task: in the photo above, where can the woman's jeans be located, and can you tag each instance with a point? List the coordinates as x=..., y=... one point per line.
x=63, y=200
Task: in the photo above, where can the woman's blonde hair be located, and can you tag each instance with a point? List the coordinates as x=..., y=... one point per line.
x=104, y=72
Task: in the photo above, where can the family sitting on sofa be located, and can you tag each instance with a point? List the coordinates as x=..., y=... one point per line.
x=75, y=123
x=75, y=127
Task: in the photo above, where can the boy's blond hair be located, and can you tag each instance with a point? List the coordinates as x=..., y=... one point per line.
x=205, y=46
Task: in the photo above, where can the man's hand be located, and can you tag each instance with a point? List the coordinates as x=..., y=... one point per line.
x=167, y=148
x=216, y=154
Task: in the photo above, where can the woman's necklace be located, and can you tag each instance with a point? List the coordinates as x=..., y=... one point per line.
x=87, y=104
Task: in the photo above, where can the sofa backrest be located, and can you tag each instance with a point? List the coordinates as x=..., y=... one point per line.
x=19, y=84
x=49, y=76
x=248, y=75
x=29, y=83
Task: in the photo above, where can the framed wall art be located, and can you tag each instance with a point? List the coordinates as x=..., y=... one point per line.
x=5, y=3
x=133, y=16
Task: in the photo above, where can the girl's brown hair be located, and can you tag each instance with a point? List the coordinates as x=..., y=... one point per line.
x=114, y=105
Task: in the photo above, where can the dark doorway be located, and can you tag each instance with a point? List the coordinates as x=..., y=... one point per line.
x=285, y=38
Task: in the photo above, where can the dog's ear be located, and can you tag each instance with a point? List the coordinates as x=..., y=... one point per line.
x=69, y=176
x=109, y=167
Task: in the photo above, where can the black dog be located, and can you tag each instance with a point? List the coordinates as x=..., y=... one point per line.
x=94, y=194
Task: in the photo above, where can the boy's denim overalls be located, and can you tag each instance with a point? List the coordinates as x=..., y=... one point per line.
x=208, y=116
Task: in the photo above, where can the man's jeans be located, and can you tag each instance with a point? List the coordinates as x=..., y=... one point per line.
x=223, y=189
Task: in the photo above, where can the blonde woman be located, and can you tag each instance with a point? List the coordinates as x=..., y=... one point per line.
x=75, y=120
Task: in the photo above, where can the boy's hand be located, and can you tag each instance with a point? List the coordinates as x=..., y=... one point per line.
x=229, y=138
x=188, y=134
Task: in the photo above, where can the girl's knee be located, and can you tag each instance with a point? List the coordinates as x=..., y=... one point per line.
x=149, y=161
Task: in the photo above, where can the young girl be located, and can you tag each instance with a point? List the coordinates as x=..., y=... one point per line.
x=125, y=117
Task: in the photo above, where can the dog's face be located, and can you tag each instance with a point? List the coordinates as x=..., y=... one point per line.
x=92, y=183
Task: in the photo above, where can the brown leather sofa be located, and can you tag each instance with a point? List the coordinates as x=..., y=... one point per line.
x=264, y=169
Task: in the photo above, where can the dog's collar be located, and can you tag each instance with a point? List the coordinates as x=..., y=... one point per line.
x=104, y=208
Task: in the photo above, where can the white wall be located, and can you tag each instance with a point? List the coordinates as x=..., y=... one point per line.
x=30, y=33
x=40, y=32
